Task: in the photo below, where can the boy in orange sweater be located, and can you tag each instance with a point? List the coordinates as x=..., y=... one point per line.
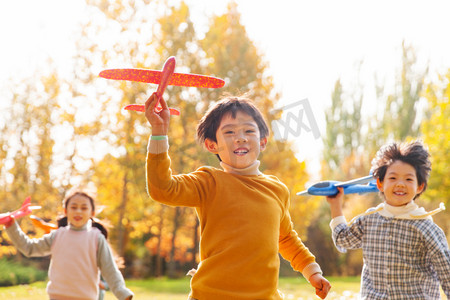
x=243, y=213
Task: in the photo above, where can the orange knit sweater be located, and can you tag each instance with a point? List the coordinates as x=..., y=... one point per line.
x=244, y=223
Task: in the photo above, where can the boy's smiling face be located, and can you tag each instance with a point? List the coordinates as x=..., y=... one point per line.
x=238, y=140
x=400, y=184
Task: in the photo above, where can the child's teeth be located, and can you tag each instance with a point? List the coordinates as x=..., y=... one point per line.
x=240, y=151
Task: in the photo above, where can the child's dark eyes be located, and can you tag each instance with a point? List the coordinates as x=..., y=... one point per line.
x=82, y=208
x=249, y=131
x=407, y=179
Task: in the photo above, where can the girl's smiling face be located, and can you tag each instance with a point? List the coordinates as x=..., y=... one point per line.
x=238, y=140
x=79, y=210
x=400, y=184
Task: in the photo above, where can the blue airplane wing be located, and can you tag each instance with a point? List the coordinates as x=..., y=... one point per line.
x=371, y=187
x=361, y=180
x=329, y=188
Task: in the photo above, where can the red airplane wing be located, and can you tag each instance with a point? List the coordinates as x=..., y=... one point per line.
x=140, y=75
x=195, y=80
x=154, y=76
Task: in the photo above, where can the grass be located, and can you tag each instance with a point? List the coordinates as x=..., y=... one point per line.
x=164, y=289
x=297, y=288
x=294, y=288
x=33, y=291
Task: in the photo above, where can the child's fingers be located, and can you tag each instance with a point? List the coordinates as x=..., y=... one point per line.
x=339, y=194
x=163, y=104
x=151, y=102
x=157, y=115
x=322, y=292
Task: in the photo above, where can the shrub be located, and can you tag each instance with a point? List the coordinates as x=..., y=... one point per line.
x=13, y=273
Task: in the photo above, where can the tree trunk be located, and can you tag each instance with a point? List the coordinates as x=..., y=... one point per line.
x=121, y=236
x=171, y=270
x=158, y=267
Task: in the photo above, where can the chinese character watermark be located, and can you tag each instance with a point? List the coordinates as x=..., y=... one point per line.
x=298, y=117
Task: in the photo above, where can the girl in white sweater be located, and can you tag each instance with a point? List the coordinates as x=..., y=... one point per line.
x=79, y=252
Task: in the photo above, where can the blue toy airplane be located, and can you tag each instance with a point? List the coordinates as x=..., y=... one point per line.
x=355, y=186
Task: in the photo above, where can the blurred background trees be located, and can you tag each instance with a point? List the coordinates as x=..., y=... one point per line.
x=61, y=131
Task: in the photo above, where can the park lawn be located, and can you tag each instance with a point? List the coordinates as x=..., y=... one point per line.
x=294, y=288
x=33, y=291
x=178, y=289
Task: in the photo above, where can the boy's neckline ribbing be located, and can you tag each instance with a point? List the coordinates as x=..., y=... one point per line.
x=253, y=169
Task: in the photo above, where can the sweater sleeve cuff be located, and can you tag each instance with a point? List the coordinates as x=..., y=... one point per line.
x=311, y=269
x=158, y=144
x=336, y=221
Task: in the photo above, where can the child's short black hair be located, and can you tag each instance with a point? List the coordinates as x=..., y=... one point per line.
x=210, y=122
x=413, y=153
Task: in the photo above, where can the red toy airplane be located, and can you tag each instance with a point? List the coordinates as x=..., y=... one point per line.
x=163, y=78
x=24, y=210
